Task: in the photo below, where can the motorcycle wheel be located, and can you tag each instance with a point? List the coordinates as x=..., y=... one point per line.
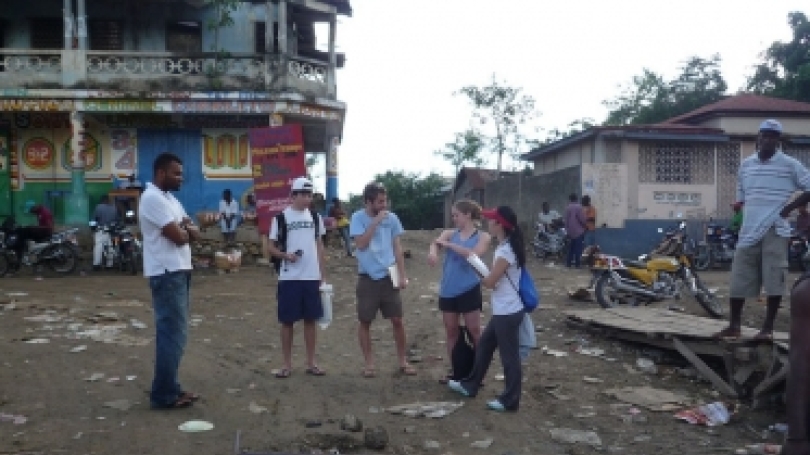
x=64, y=260
x=134, y=262
x=709, y=301
x=604, y=284
x=703, y=258
x=5, y=264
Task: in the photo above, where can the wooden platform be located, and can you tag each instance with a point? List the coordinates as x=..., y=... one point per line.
x=752, y=368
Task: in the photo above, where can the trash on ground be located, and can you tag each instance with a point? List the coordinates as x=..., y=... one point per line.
x=711, y=415
x=195, y=426
x=38, y=341
x=256, y=409
x=430, y=409
x=649, y=398
x=121, y=405
x=15, y=419
x=590, y=380
x=760, y=449
x=646, y=365
x=79, y=348
x=569, y=436
x=553, y=352
x=483, y=444
x=593, y=352
x=137, y=324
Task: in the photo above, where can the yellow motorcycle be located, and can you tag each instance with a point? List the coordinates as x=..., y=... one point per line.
x=664, y=274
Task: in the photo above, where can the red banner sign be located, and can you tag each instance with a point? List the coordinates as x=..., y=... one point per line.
x=277, y=155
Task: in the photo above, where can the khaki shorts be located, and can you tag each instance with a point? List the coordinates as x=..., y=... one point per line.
x=762, y=265
x=377, y=295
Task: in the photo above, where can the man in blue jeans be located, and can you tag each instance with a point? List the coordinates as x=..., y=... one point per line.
x=575, y=226
x=167, y=231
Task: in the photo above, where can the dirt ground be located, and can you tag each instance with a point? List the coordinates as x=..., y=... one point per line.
x=94, y=401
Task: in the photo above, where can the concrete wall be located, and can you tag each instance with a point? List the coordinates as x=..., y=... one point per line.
x=525, y=194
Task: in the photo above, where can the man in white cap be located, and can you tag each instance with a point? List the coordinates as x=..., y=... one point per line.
x=296, y=235
x=765, y=183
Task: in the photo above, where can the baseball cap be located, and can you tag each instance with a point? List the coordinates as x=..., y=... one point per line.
x=494, y=214
x=301, y=184
x=771, y=125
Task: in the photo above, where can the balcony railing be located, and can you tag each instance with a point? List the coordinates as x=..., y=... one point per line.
x=147, y=71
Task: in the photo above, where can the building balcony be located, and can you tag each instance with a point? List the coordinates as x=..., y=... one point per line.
x=138, y=72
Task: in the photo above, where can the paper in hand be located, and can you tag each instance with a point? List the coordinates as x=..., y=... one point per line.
x=478, y=265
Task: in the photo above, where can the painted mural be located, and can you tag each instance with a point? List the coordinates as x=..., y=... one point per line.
x=226, y=154
x=123, y=151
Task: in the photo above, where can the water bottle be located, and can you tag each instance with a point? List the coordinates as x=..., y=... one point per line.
x=326, y=301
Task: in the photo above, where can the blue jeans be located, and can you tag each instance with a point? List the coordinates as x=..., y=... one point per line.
x=347, y=241
x=590, y=238
x=575, y=251
x=170, y=302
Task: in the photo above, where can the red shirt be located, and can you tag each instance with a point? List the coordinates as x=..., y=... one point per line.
x=44, y=217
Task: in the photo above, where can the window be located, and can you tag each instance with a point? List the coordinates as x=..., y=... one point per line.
x=184, y=37
x=47, y=33
x=676, y=163
x=106, y=35
x=260, y=32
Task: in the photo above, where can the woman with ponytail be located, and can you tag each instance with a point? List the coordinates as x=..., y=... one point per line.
x=502, y=331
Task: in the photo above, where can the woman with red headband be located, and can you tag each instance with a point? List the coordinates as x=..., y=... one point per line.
x=502, y=330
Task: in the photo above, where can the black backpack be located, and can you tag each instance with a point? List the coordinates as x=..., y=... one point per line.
x=463, y=355
x=281, y=242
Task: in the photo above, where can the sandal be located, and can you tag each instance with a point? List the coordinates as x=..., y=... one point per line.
x=283, y=373
x=315, y=371
x=369, y=373
x=764, y=336
x=190, y=396
x=408, y=370
x=729, y=333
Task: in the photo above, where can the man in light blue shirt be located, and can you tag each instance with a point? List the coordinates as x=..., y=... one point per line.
x=381, y=269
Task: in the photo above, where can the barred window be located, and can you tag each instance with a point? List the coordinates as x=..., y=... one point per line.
x=801, y=153
x=676, y=163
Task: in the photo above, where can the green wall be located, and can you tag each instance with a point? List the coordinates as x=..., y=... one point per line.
x=37, y=191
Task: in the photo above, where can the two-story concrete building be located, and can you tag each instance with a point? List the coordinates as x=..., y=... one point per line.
x=91, y=89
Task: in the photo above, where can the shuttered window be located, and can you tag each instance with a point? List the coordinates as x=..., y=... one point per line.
x=106, y=35
x=47, y=33
x=260, y=32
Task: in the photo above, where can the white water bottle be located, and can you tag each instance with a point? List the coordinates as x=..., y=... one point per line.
x=326, y=302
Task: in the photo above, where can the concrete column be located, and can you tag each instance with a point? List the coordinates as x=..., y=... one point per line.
x=81, y=24
x=283, y=69
x=332, y=71
x=268, y=45
x=332, y=146
x=67, y=13
x=77, y=211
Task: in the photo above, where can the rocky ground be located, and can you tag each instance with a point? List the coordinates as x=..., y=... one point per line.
x=77, y=358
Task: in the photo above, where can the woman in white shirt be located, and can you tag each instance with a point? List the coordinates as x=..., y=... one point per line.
x=507, y=313
x=228, y=212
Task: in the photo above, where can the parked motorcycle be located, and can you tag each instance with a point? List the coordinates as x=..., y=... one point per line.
x=120, y=248
x=798, y=252
x=549, y=242
x=58, y=253
x=653, y=279
x=718, y=249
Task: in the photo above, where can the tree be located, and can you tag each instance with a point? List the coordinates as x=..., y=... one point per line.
x=508, y=110
x=785, y=70
x=650, y=99
x=222, y=18
x=554, y=135
x=416, y=200
x=466, y=149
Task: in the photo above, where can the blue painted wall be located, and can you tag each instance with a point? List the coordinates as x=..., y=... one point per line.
x=641, y=236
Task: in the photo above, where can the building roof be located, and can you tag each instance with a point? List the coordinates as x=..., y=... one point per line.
x=742, y=104
x=478, y=177
x=342, y=6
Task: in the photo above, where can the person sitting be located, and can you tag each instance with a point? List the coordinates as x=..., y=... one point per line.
x=42, y=231
x=105, y=214
x=549, y=219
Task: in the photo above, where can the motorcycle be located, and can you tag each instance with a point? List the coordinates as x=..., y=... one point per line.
x=798, y=251
x=58, y=253
x=719, y=247
x=548, y=242
x=120, y=248
x=653, y=279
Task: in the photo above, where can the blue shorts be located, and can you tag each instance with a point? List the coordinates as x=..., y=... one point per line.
x=299, y=300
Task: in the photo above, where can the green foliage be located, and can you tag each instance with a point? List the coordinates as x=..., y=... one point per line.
x=785, y=70
x=650, y=99
x=507, y=109
x=575, y=127
x=466, y=149
x=417, y=200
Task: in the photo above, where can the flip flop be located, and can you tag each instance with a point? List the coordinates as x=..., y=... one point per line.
x=315, y=371
x=763, y=336
x=191, y=396
x=408, y=370
x=180, y=403
x=369, y=373
x=728, y=334
x=283, y=373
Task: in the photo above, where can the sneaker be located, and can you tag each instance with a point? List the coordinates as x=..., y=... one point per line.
x=495, y=405
x=457, y=387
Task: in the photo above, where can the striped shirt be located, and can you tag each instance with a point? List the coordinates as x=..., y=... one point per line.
x=766, y=187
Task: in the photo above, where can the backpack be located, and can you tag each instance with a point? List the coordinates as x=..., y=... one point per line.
x=526, y=290
x=462, y=358
x=281, y=242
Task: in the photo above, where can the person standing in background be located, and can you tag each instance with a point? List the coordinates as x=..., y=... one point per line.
x=575, y=225
x=590, y=221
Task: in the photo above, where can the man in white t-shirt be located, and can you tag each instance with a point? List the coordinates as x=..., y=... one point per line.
x=167, y=231
x=301, y=273
x=548, y=216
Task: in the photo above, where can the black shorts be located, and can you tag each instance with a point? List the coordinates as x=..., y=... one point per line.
x=299, y=300
x=466, y=302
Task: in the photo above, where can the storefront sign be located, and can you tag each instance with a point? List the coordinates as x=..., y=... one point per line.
x=120, y=106
x=37, y=105
x=277, y=156
x=91, y=154
x=226, y=151
x=252, y=107
x=38, y=153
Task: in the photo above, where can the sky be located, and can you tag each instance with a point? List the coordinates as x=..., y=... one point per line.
x=404, y=60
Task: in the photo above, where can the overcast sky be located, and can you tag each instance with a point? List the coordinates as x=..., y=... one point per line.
x=404, y=60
